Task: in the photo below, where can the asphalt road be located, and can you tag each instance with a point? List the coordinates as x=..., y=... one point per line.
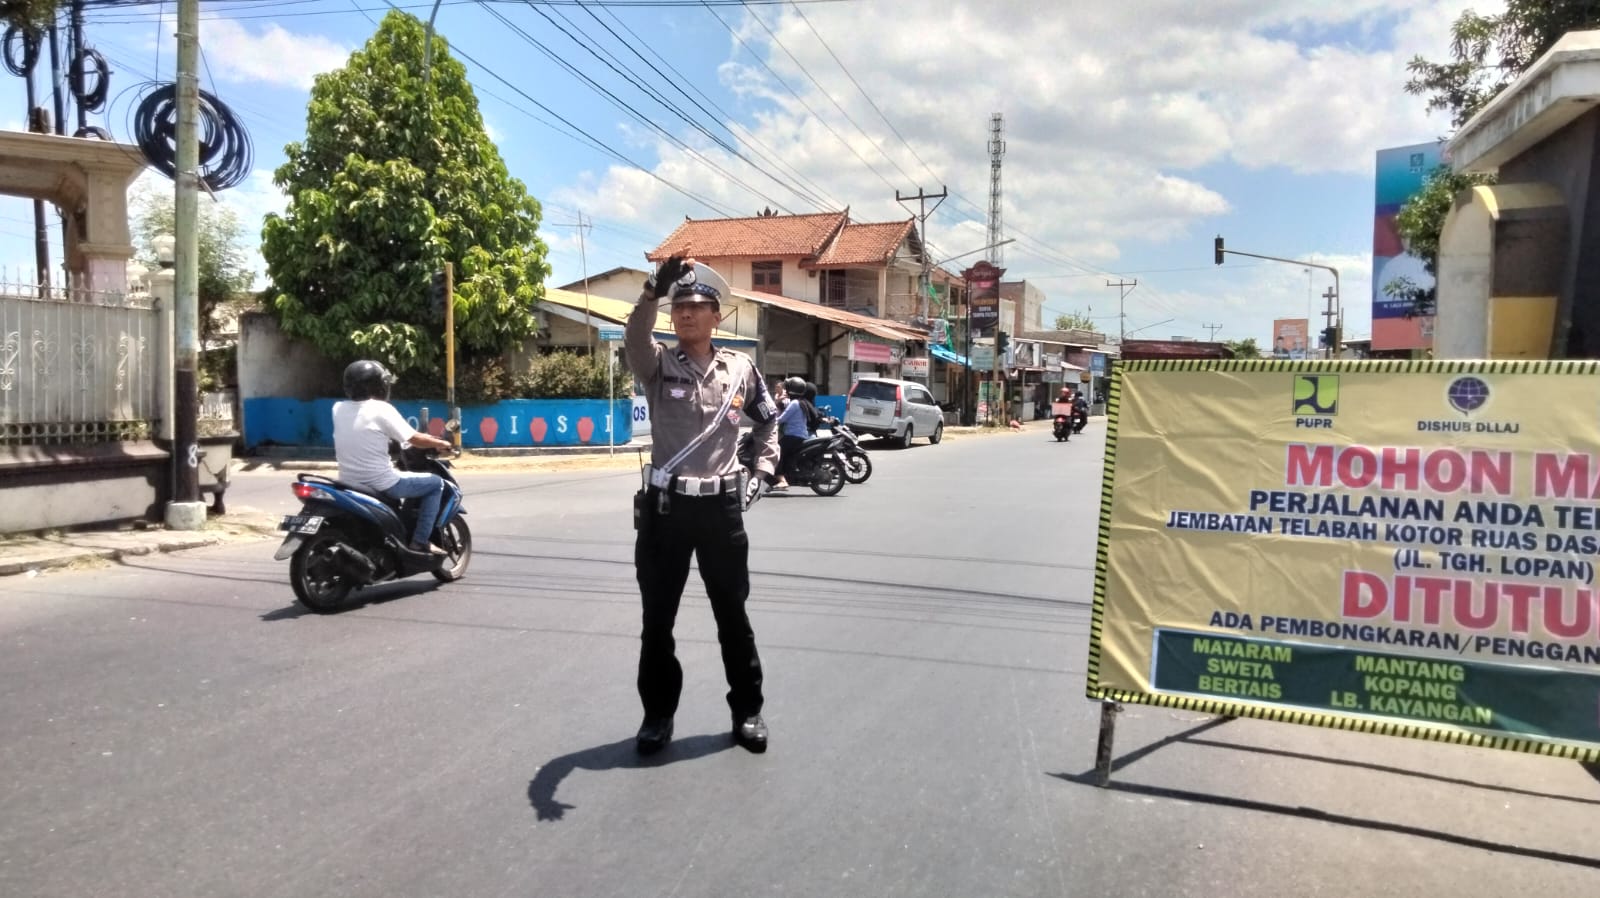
x=174, y=726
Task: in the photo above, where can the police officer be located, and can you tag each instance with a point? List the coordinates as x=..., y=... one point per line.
x=695, y=497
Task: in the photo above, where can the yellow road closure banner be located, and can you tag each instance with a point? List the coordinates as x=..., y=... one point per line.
x=1405, y=548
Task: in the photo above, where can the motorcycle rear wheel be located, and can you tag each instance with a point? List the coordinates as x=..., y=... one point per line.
x=857, y=467
x=314, y=576
x=828, y=479
x=457, y=540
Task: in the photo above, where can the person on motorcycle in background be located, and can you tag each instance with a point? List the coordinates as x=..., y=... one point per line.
x=362, y=429
x=793, y=426
x=814, y=416
x=1080, y=410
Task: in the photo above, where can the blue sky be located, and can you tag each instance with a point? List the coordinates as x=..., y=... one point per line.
x=1135, y=132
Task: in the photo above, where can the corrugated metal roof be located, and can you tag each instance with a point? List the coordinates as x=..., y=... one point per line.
x=878, y=327
x=617, y=311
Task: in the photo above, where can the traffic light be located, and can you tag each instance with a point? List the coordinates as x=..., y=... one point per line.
x=1330, y=336
x=436, y=293
x=1219, y=249
x=1001, y=341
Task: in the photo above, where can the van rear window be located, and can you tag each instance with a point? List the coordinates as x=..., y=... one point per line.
x=874, y=389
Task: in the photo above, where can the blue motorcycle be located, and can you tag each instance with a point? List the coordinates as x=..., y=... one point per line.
x=347, y=537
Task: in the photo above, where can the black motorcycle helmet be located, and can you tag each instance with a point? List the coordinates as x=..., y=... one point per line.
x=811, y=391
x=367, y=379
x=795, y=387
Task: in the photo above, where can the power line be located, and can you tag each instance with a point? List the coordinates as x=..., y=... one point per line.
x=662, y=101
x=824, y=122
x=815, y=195
x=824, y=91
x=624, y=106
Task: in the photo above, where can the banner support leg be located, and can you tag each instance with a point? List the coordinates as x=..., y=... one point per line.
x=1102, y=756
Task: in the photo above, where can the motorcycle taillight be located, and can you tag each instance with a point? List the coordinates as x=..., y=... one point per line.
x=303, y=490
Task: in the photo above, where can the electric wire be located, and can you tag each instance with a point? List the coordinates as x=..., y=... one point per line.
x=660, y=99
x=743, y=135
x=628, y=108
x=822, y=121
x=226, y=154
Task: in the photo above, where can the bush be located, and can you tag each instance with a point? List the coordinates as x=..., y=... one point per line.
x=567, y=375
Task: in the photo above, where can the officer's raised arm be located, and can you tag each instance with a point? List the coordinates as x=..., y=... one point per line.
x=639, y=342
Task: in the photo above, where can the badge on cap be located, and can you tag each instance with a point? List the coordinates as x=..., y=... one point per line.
x=738, y=402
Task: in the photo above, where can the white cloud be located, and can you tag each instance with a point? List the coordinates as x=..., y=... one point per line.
x=1119, y=120
x=272, y=55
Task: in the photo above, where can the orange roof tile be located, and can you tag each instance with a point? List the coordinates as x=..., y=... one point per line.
x=777, y=235
x=863, y=244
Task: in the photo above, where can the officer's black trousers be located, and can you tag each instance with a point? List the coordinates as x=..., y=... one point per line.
x=712, y=529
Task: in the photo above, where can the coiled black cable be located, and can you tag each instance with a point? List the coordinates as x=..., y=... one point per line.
x=226, y=155
x=30, y=44
x=92, y=99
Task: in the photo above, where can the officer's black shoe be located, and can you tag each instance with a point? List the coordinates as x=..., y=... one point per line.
x=750, y=732
x=654, y=734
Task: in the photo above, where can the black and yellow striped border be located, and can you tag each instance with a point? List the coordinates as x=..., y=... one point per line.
x=1356, y=724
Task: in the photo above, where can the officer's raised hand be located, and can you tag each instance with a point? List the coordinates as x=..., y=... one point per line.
x=671, y=271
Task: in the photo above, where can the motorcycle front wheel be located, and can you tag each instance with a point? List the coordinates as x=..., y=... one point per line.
x=457, y=541
x=315, y=576
x=857, y=467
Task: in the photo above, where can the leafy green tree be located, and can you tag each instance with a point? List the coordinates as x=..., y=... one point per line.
x=1488, y=53
x=1074, y=321
x=36, y=13
x=225, y=272
x=393, y=179
x=1244, y=349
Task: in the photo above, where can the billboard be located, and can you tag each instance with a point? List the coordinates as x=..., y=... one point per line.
x=1291, y=338
x=1401, y=172
x=983, y=297
x=1400, y=548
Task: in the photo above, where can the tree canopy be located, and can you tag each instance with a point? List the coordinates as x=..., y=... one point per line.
x=395, y=178
x=224, y=262
x=1074, y=320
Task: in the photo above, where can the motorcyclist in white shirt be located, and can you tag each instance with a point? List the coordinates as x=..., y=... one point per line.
x=362, y=429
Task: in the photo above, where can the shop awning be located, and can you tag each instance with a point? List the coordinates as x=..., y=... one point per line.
x=939, y=352
x=877, y=327
x=604, y=310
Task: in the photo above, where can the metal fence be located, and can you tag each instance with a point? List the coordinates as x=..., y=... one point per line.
x=76, y=366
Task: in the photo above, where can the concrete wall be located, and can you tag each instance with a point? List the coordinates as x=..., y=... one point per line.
x=509, y=423
x=1567, y=161
x=271, y=364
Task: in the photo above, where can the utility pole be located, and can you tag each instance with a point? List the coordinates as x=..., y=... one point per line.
x=1123, y=288
x=186, y=511
x=1330, y=317
x=583, y=261
x=924, y=283
x=1213, y=328
x=450, y=351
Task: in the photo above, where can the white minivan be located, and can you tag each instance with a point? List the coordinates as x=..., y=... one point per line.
x=902, y=409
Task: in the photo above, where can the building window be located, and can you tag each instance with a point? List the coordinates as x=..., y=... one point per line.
x=766, y=277
x=833, y=288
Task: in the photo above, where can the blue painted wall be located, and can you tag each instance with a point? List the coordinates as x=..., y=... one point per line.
x=513, y=422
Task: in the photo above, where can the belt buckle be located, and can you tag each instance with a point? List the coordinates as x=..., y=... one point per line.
x=710, y=486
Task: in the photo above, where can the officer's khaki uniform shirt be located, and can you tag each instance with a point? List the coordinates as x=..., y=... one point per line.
x=684, y=399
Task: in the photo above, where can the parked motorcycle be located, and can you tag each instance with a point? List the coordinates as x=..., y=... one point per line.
x=857, y=466
x=347, y=537
x=819, y=463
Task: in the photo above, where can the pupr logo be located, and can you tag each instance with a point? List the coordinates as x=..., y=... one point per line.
x=1316, y=394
